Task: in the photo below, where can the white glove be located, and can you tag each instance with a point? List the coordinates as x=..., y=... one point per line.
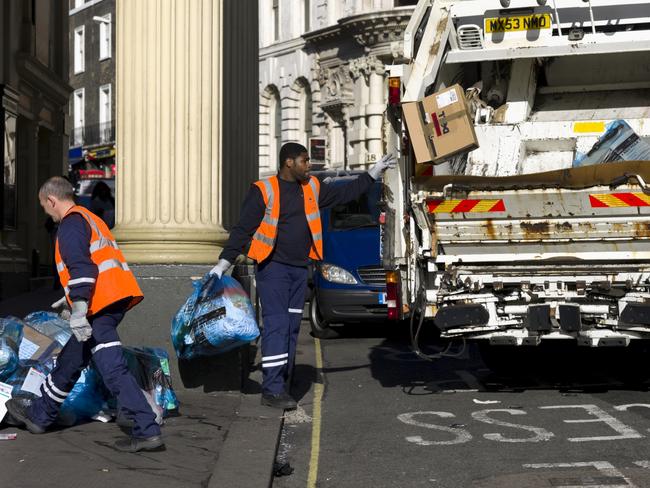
x=221, y=267
x=65, y=308
x=79, y=322
x=388, y=161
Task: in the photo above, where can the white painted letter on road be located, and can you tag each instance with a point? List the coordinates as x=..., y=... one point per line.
x=460, y=435
x=624, y=431
x=483, y=416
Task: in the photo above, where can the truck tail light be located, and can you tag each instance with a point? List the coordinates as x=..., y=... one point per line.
x=394, y=91
x=393, y=295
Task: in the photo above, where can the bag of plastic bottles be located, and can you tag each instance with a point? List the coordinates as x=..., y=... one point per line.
x=150, y=367
x=51, y=325
x=11, y=334
x=618, y=143
x=217, y=317
x=17, y=379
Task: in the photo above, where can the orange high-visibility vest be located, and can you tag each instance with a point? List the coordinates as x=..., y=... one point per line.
x=115, y=281
x=264, y=238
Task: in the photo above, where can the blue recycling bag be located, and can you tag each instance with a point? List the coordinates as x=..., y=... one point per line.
x=86, y=399
x=618, y=143
x=11, y=334
x=217, y=317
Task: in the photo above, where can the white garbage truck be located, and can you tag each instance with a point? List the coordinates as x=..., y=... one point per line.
x=515, y=242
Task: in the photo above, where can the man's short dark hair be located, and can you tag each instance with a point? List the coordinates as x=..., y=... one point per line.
x=290, y=150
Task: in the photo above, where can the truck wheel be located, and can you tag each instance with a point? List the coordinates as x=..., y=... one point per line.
x=319, y=326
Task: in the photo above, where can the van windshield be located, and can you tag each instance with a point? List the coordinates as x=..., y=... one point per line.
x=363, y=212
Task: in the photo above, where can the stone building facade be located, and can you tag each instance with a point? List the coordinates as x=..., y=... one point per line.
x=34, y=93
x=323, y=76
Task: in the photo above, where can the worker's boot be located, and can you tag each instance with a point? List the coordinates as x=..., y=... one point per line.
x=18, y=415
x=281, y=400
x=135, y=444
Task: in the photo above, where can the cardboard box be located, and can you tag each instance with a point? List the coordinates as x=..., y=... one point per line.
x=37, y=346
x=440, y=126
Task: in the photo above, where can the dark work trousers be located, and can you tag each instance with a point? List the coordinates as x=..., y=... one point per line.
x=105, y=348
x=281, y=289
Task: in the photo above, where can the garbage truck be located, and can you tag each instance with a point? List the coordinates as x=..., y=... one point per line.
x=517, y=241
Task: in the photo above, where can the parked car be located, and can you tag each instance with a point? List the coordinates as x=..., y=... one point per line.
x=104, y=205
x=349, y=284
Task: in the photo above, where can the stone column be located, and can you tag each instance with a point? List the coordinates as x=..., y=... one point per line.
x=169, y=145
x=375, y=110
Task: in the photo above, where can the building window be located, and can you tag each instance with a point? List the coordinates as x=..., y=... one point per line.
x=79, y=49
x=276, y=20
x=275, y=127
x=79, y=3
x=105, y=116
x=8, y=180
x=307, y=13
x=105, y=37
x=305, y=115
x=79, y=110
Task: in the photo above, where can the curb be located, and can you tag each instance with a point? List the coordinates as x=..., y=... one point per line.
x=249, y=451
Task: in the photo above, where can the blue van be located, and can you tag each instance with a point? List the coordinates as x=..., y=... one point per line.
x=349, y=284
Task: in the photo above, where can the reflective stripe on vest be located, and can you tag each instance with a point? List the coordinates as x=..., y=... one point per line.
x=264, y=238
x=114, y=281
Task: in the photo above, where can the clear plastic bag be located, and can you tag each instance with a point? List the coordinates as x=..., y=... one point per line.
x=150, y=367
x=51, y=325
x=217, y=317
x=11, y=334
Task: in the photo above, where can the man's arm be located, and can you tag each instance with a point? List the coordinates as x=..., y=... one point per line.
x=74, y=245
x=332, y=195
x=251, y=215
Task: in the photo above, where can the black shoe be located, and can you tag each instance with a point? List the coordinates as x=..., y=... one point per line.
x=281, y=400
x=17, y=409
x=134, y=444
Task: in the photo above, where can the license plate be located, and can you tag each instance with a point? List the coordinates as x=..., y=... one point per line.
x=518, y=23
x=382, y=299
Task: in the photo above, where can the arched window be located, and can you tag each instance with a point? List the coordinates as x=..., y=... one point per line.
x=305, y=114
x=275, y=128
x=270, y=138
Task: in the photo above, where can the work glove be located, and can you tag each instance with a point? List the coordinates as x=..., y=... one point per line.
x=62, y=304
x=388, y=161
x=79, y=322
x=221, y=267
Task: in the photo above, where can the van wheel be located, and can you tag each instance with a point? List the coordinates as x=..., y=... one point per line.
x=320, y=327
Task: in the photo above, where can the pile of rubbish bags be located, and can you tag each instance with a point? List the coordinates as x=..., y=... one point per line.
x=28, y=350
x=218, y=316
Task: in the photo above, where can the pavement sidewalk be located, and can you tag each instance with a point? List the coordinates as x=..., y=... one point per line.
x=222, y=438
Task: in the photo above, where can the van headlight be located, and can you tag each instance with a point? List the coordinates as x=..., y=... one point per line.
x=337, y=275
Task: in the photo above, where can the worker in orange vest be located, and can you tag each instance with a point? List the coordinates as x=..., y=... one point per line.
x=99, y=288
x=280, y=218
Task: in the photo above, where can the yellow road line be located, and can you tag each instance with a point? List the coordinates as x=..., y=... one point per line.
x=316, y=419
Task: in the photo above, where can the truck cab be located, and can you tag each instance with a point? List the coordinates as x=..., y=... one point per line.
x=349, y=284
x=514, y=242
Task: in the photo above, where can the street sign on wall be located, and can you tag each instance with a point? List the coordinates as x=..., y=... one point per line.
x=317, y=150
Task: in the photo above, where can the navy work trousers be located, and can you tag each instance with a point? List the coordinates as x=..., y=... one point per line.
x=281, y=289
x=105, y=348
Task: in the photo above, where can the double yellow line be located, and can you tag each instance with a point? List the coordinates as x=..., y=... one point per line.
x=316, y=418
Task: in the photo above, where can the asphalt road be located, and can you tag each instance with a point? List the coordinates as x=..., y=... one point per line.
x=561, y=418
